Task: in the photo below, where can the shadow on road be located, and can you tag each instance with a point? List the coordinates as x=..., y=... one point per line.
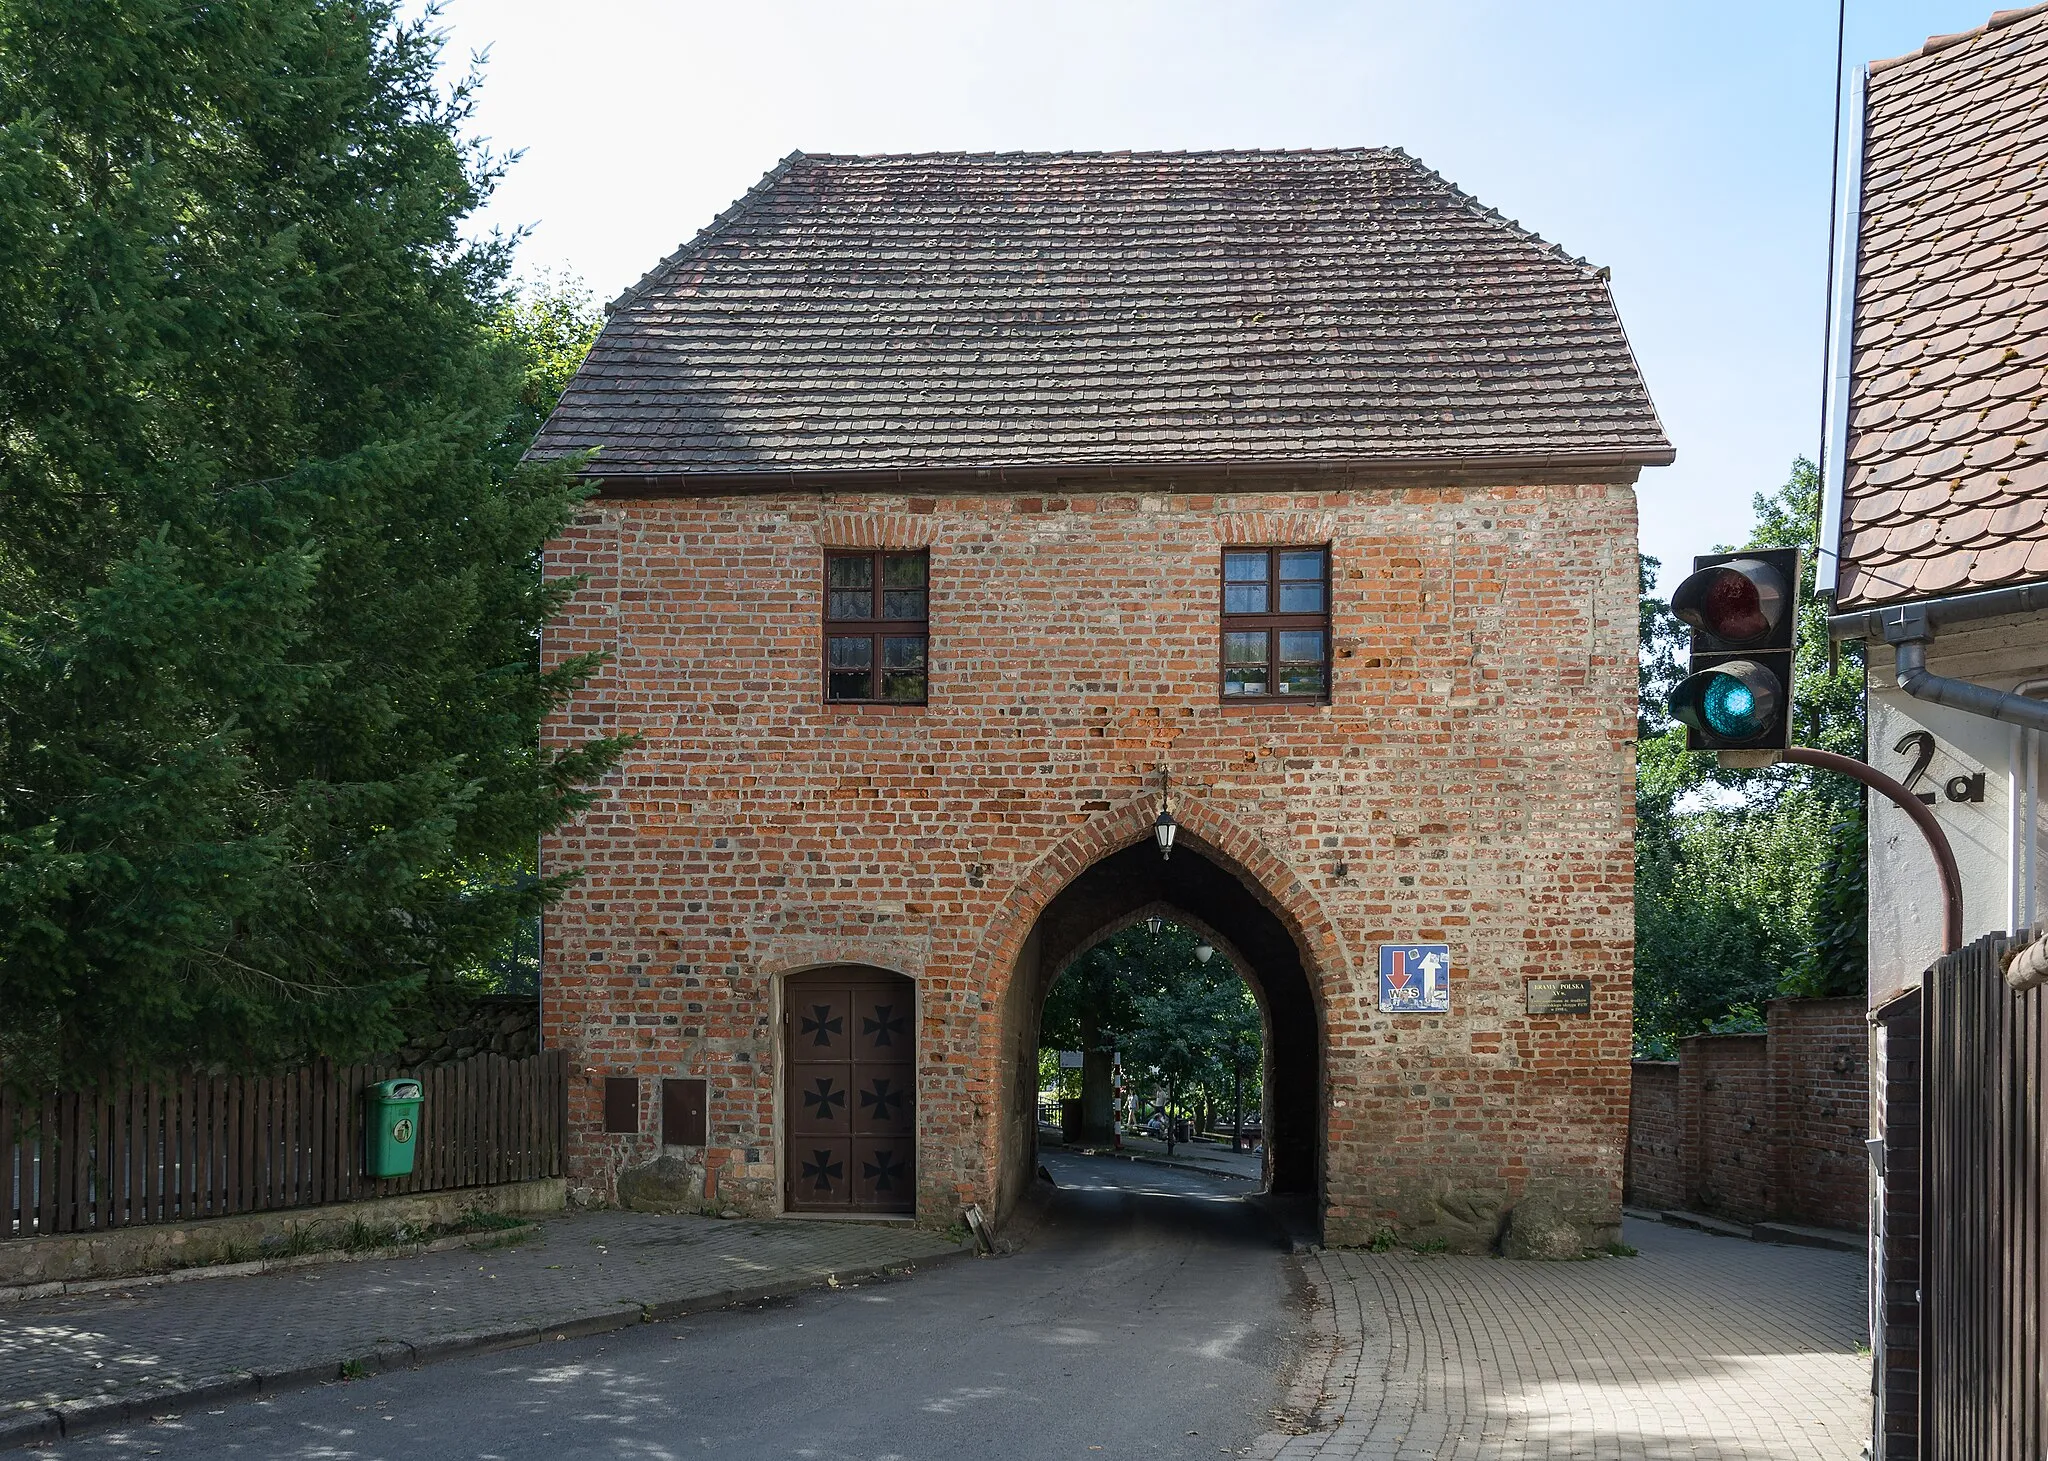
x=1152, y=1313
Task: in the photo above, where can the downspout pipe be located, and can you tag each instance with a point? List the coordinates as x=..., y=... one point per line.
x=1910, y=628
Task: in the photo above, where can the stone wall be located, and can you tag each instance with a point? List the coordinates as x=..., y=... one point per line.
x=1469, y=782
x=1759, y=1127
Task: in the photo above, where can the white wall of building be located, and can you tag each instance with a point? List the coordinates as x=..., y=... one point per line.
x=1997, y=841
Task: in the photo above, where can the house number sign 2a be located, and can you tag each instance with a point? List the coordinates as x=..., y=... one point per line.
x=1919, y=745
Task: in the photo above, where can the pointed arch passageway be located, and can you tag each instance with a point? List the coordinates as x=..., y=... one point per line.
x=1203, y=889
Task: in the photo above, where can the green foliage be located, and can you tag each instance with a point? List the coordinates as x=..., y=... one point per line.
x=1749, y=884
x=1178, y=1021
x=548, y=324
x=269, y=578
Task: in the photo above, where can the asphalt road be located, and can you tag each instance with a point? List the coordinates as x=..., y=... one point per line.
x=1152, y=1314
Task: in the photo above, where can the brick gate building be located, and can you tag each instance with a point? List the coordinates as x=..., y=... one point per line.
x=946, y=503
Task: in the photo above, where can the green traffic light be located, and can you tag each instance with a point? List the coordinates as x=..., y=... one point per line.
x=1734, y=703
x=1730, y=707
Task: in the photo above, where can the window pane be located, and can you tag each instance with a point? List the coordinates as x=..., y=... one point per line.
x=1241, y=647
x=1302, y=565
x=903, y=652
x=1301, y=598
x=850, y=603
x=850, y=572
x=903, y=570
x=1244, y=567
x=1250, y=681
x=1244, y=598
x=903, y=685
x=848, y=653
x=902, y=603
x=847, y=685
x=1297, y=645
x=1301, y=679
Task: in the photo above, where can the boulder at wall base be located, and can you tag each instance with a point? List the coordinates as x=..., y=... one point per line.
x=1539, y=1227
x=1445, y=1212
x=668, y=1184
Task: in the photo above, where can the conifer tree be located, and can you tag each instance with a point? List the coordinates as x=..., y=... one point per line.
x=269, y=563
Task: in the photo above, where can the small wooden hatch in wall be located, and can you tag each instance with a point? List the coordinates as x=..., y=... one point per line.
x=621, y=1105
x=683, y=1114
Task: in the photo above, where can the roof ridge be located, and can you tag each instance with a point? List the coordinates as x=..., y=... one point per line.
x=1007, y=154
x=1487, y=213
x=709, y=231
x=1935, y=45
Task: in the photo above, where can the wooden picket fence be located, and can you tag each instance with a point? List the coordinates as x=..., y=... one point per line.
x=194, y=1147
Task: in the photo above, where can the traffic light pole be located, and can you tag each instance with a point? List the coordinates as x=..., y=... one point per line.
x=1923, y=818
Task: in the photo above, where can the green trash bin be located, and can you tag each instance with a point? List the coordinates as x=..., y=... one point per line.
x=391, y=1124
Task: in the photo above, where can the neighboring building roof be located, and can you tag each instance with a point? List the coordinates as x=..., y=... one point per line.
x=1947, y=487
x=1025, y=310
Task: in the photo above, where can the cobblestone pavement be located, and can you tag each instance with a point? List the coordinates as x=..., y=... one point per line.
x=1704, y=1348
x=582, y=1273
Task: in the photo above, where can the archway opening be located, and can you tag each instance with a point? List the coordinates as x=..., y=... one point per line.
x=1151, y=1033
x=1198, y=890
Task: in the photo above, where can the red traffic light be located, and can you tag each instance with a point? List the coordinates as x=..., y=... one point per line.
x=1737, y=604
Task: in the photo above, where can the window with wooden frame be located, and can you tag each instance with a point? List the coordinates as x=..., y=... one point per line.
x=876, y=627
x=1276, y=623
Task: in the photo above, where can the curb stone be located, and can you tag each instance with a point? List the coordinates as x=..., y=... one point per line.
x=70, y=1419
x=1172, y=1163
x=68, y=1288
x=1307, y=1407
x=1793, y=1235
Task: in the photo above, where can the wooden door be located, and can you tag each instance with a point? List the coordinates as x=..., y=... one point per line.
x=850, y=1092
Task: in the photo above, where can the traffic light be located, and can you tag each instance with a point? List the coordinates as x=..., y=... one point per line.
x=1743, y=611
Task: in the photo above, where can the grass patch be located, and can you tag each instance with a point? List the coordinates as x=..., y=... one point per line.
x=476, y=1220
x=1431, y=1245
x=1386, y=1240
x=354, y=1370
x=1622, y=1250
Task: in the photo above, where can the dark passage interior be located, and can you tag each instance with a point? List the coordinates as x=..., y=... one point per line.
x=1198, y=891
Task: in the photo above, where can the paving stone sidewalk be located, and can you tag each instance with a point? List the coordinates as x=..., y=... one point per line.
x=90, y=1360
x=1704, y=1348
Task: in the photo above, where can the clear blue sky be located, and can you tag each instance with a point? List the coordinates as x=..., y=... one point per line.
x=1686, y=145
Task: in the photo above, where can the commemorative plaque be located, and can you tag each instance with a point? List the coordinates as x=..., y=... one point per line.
x=1559, y=996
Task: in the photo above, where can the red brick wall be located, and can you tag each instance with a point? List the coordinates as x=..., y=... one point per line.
x=1820, y=1054
x=1760, y=1127
x=1470, y=782
x=1656, y=1167
x=1730, y=1148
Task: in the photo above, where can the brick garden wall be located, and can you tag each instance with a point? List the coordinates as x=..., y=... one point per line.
x=1759, y=1127
x=1820, y=1049
x=1656, y=1172
x=1470, y=782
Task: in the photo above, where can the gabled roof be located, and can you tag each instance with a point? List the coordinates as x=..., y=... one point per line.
x=1020, y=310
x=1947, y=485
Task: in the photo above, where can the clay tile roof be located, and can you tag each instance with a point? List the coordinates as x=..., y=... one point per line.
x=1951, y=446
x=960, y=312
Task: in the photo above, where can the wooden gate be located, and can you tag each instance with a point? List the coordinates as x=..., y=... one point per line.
x=849, y=1041
x=1976, y=1363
